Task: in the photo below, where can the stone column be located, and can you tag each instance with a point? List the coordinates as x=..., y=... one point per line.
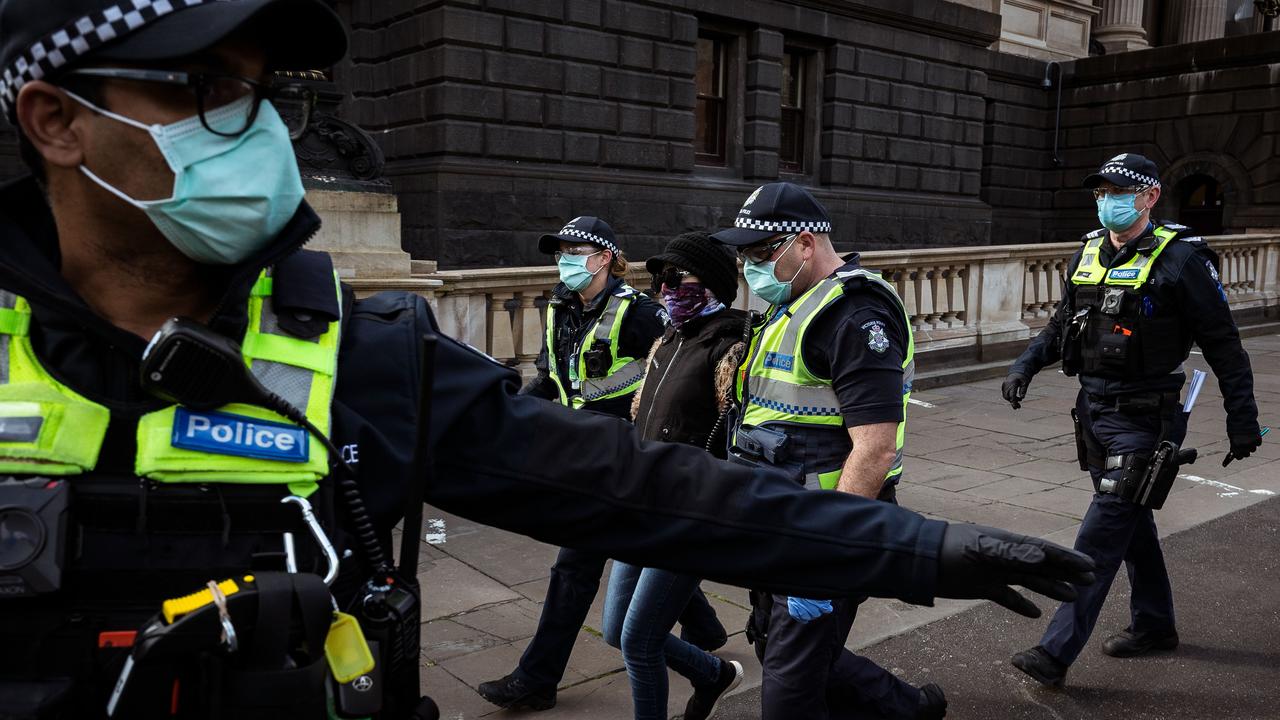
x=1119, y=28
x=1196, y=20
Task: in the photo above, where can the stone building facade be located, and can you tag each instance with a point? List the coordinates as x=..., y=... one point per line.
x=919, y=124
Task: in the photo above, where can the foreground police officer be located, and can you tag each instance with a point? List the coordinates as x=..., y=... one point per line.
x=168, y=187
x=1138, y=295
x=828, y=375
x=599, y=330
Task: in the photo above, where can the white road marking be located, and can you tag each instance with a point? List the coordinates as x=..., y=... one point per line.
x=921, y=403
x=437, y=534
x=1227, y=490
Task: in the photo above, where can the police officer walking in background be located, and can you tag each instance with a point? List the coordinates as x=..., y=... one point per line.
x=827, y=378
x=164, y=184
x=599, y=331
x=1138, y=294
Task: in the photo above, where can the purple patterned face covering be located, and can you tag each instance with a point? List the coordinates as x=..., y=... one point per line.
x=686, y=301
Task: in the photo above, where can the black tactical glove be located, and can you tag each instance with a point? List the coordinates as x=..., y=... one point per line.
x=1014, y=389
x=1242, y=445
x=978, y=562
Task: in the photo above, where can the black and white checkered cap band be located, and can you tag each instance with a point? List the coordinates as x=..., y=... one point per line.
x=82, y=36
x=783, y=225
x=1122, y=170
x=589, y=237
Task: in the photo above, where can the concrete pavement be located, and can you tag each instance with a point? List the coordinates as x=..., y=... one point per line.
x=970, y=458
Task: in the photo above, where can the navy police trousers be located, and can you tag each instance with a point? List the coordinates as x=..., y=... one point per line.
x=1116, y=530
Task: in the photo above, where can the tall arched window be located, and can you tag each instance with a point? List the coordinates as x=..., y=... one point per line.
x=1200, y=204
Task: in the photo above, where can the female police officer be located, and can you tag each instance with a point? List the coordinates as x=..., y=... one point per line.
x=598, y=331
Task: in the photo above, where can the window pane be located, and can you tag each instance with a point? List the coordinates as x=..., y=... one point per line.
x=792, y=80
x=710, y=119
x=791, y=153
x=708, y=75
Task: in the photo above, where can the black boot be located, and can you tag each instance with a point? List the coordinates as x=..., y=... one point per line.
x=706, y=698
x=1041, y=666
x=1127, y=643
x=515, y=694
x=933, y=703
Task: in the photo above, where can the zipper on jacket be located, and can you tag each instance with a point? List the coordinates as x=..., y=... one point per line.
x=679, y=344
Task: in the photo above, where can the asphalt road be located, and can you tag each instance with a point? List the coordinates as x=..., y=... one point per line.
x=1226, y=580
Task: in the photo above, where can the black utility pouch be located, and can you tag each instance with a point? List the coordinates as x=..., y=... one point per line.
x=759, y=443
x=1113, y=349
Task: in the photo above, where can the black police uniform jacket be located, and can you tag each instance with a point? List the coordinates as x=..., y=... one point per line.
x=517, y=462
x=1183, y=289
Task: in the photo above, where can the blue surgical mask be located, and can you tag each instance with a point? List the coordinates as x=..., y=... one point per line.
x=231, y=195
x=765, y=283
x=1117, y=213
x=573, y=271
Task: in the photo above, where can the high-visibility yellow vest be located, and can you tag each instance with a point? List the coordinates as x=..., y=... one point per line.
x=625, y=373
x=780, y=391
x=47, y=428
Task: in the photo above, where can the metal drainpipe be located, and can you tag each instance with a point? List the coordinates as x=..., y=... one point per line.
x=1057, y=114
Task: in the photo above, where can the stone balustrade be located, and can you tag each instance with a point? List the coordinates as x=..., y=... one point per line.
x=967, y=304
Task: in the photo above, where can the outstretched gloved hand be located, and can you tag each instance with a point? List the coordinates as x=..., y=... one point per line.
x=1014, y=389
x=979, y=562
x=804, y=610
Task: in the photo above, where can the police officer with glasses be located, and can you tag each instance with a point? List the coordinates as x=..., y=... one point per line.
x=168, y=187
x=823, y=395
x=1137, y=295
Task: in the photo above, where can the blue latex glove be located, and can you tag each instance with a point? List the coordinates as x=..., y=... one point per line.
x=803, y=610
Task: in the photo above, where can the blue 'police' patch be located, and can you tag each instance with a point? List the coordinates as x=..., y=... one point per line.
x=1124, y=274
x=778, y=361
x=226, y=434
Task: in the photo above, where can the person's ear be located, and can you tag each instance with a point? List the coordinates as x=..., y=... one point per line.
x=46, y=116
x=808, y=244
x=1154, y=197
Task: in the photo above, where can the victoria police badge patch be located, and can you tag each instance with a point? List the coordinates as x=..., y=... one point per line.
x=876, y=339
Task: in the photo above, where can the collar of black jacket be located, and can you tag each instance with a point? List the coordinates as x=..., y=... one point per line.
x=29, y=265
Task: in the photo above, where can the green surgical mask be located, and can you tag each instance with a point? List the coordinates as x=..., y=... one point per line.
x=231, y=195
x=765, y=283
x=573, y=271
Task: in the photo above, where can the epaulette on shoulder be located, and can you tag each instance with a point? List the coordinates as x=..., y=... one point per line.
x=1091, y=235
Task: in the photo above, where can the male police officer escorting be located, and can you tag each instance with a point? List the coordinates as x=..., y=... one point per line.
x=827, y=378
x=169, y=188
x=1137, y=295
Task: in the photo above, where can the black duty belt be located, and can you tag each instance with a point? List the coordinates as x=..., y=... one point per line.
x=1139, y=403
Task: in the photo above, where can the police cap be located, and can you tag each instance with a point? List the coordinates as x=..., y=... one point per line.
x=780, y=207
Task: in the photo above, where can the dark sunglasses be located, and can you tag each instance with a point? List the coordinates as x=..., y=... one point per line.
x=762, y=252
x=671, y=276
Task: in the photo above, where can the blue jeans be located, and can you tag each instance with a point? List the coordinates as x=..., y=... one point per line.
x=640, y=609
x=575, y=578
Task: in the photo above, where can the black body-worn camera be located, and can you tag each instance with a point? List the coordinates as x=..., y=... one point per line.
x=33, y=530
x=598, y=360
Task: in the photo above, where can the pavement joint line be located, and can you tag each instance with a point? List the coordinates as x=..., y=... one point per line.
x=726, y=600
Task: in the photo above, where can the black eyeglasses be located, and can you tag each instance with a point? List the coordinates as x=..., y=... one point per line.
x=761, y=252
x=671, y=276
x=214, y=91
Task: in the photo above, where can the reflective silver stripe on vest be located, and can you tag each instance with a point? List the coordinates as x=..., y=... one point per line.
x=8, y=301
x=288, y=381
x=812, y=303
x=785, y=397
x=625, y=377
x=609, y=317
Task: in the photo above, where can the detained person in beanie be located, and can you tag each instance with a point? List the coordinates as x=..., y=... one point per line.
x=685, y=398
x=599, y=329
